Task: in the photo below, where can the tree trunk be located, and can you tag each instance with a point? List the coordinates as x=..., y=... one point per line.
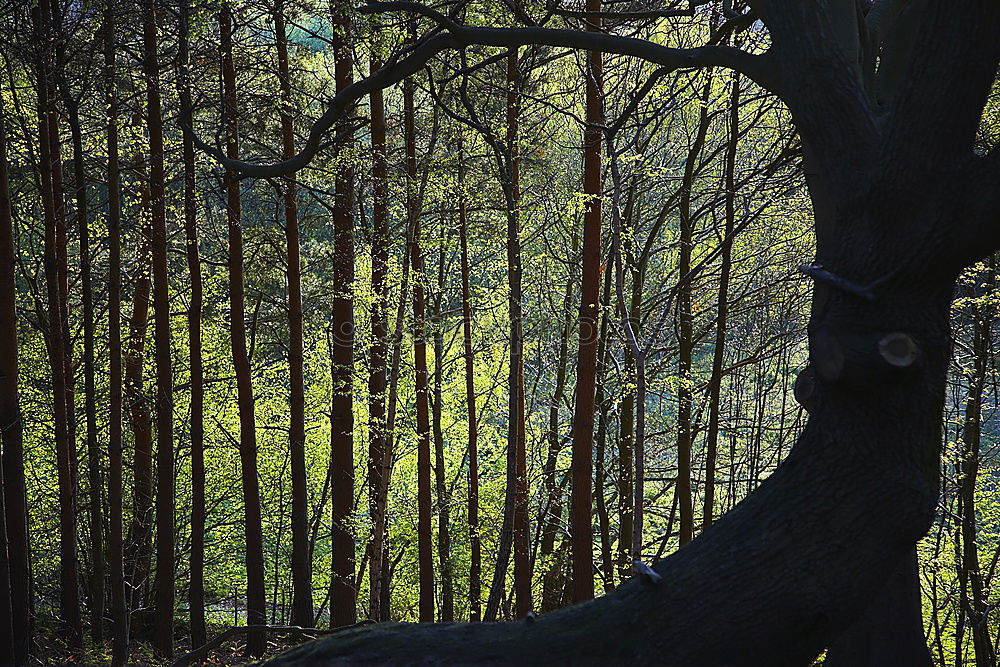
x=343, y=596
x=378, y=446
x=722, y=308
x=302, y=598
x=196, y=593
x=94, y=477
x=685, y=316
x=51, y=172
x=441, y=490
x=116, y=555
x=164, y=584
x=424, y=537
x=15, y=628
x=583, y=418
x=475, y=547
x=256, y=614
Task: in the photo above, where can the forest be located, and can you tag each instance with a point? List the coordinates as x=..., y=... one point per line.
x=499, y=332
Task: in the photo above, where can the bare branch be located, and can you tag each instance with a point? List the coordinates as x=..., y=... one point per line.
x=456, y=36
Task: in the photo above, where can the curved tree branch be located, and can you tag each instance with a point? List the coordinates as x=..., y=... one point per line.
x=456, y=36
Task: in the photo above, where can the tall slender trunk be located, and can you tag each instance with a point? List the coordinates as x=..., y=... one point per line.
x=685, y=316
x=51, y=170
x=137, y=550
x=343, y=596
x=583, y=418
x=302, y=600
x=116, y=556
x=522, y=549
x=256, y=614
x=722, y=308
x=424, y=536
x=441, y=489
x=514, y=532
x=196, y=594
x=475, y=546
x=15, y=628
x=552, y=582
x=94, y=477
x=973, y=592
x=164, y=584
x=601, y=405
x=378, y=434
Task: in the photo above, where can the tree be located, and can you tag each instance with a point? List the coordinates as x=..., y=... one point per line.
x=902, y=204
x=241, y=361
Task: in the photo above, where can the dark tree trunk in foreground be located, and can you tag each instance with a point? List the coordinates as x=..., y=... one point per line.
x=912, y=205
x=302, y=600
x=196, y=592
x=256, y=614
x=116, y=553
x=590, y=286
x=343, y=596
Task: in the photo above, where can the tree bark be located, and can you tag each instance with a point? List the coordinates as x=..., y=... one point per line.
x=51, y=172
x=256, y=614
x=196, y=592
x=302, y=597
x=583, y=418
x=378, y=446
x=343, y=596
x=15, y=628
x=424, y=537
x=164, y=584
x=475, y=546
x=116, y=554
x=447, y=612
x=722, y=307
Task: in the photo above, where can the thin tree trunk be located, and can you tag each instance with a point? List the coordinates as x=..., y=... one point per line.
x=302, y=598
x=343, y=596
x=116, y=558
x=722, y=308
x=969, y=471
x=69, y=603
x=256, y=614
x=14, y=616
x=94, y=478
x=137, y=553
x=600, y=450
x=424, y=537
x=475, y=547
x=164, y=584
x=443, y=500
x=583, y=418
x=552, y=582
x=378, y=446
x=196, y=594
x=685, y=316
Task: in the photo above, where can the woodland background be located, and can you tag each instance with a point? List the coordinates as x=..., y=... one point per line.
x=430, y=268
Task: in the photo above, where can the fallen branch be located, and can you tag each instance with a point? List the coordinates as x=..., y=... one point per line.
x=308, y=633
